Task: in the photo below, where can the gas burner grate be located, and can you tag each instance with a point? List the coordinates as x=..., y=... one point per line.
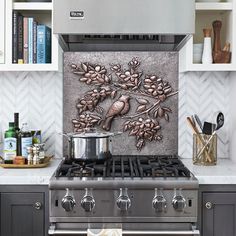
x=125, y=167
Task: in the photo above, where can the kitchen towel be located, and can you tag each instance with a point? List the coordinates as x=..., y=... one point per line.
x=104, y=232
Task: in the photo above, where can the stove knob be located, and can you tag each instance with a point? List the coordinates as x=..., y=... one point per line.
x=179, y=202
x=123, y=201
x=68, y=202
x=159, y=202
x=88, y=202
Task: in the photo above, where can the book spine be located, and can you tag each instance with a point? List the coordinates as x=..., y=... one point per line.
x=20, y=39
x=25, y=38
x=34, y=42
x=30, y=38
x=48, y=45
x=14, y=37
x=41, y=44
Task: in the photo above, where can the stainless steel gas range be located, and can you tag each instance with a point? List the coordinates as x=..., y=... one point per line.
x=143, y=195
x=115, y=50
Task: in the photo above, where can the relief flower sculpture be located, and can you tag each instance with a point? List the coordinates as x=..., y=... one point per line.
x=121, y=85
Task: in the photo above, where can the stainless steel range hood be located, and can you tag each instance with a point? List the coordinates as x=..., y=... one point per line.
x=162, y=25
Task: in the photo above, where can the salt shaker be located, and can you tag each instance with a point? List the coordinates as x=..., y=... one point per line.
x=30, y=155
x=207, y=49
x=41, y=150
x=36, y=155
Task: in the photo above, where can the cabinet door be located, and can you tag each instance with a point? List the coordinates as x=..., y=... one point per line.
x=219, y=214
x=19, y=216
x=2, y=29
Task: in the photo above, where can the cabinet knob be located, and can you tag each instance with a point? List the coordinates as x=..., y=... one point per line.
x=37, y=205
x=208, y=205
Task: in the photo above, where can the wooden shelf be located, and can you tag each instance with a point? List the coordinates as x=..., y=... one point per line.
x=212, y=6
x=32, y=6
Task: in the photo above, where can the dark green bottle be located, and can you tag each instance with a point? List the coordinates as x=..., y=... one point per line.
x=26, y=139
x=10, y=144
x=18, y=134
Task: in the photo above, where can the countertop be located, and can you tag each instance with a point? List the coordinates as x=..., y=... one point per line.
x=222, y=173
x=35, y=176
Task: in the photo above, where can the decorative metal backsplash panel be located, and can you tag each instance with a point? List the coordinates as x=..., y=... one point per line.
x=132, y=92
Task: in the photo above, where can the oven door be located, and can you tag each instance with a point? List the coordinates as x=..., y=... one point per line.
x=53, y=230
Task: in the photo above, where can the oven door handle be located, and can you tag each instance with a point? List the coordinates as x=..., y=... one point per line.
x=53, y=231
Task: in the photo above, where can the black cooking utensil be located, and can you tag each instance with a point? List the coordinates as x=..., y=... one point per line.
x=220, y=119
x=208, y=128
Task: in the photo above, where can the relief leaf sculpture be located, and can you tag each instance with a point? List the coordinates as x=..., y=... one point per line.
x=144, y=130
x=86, y=121
x=149, y=90
x=90, y=101
x=92, y=74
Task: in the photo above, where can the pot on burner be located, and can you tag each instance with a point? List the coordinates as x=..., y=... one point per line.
x=90, y=145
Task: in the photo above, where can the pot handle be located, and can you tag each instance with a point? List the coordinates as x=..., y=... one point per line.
x=67, y=136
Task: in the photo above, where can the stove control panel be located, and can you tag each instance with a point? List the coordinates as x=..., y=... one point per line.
x=178, y=201
x=159, y=202
x=68, y=201
x=123, y=201
x=156, y=202
x=88, y=201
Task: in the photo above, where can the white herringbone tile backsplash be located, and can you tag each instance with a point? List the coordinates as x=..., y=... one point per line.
x=203, y=93
x=37, y=96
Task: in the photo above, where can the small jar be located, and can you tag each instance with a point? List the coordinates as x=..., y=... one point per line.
x=19, y=160
x=204, y=149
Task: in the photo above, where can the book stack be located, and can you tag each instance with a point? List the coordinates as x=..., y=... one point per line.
x=31, y=42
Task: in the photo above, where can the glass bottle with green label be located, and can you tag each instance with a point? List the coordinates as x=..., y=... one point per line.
x=26, y=139
x=10, y=144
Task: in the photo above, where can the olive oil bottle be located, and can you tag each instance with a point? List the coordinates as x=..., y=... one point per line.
x=10, y=144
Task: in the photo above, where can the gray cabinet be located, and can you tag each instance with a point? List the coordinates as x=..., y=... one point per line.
x=218, y=212
x=24, y=213
x=21, y=214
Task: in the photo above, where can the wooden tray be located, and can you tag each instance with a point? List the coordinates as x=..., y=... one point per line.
x=45, y=163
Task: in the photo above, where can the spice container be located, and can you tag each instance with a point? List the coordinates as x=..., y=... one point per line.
x=204, y=153
x=19, y=160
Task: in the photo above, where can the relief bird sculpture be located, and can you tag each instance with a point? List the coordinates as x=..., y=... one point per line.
x=119, y=107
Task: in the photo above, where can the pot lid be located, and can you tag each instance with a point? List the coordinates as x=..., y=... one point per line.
x=91, y=135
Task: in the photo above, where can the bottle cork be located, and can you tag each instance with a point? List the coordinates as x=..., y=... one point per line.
x=207, y=32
